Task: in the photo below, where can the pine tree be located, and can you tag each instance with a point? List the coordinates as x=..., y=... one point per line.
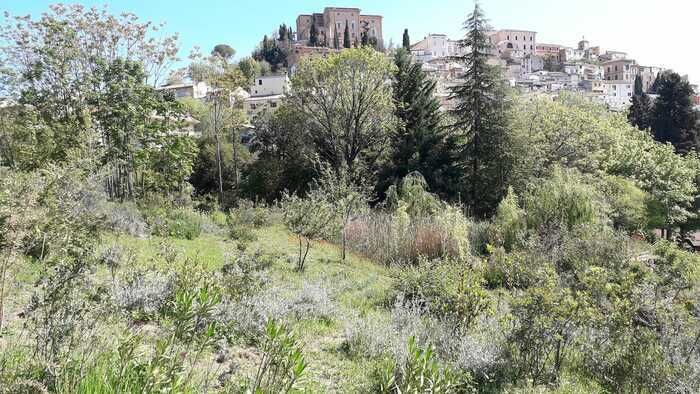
x=640, y=111
x=406, y=40
x=346, y=36
x=673, y=118
x=313, y=36
x=421, y=143
x=480, y=115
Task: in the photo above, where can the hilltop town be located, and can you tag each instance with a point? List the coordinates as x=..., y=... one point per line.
x=332, y=213
x=602, y=75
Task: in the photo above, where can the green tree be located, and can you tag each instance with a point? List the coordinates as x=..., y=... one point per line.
x=674, y=119
x=345, y=104
x=224, y=51
x=406, y=40
x=135, y=124
x=346, y=36
x=640, y=113
x=48, y=62
x=283, y=157
x=313, y=36
x=480, y=115
x=421, y=142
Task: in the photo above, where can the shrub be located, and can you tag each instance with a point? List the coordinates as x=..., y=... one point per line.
x=420, y=373
x=184, y=224
x=508, y=223
x=309, y=218
x=445, y=290
x=126, y=218
x=144, y=295
x=282, y=363
x=241, y=274
x=563, y=200
x=399, y=239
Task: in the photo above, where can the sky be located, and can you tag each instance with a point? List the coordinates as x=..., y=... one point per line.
x=662, y=33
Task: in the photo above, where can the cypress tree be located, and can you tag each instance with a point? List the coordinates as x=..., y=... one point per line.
x=641, y=110
x=673, y=117
x=480, y=115
x=421, y=143
x=346, y=36
x=638, y=86
x=336, y=40
x=406, y=40
x=313, y=35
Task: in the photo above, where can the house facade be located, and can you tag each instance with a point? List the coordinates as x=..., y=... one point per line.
x=266, y=94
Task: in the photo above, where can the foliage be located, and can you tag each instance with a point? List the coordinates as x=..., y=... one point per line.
x=345, y=104
x=480, y=116
x=283, y=158
x=564, y=200
x=282, y=363
x=51, y=61
x=673, y=117
x=420, y=373
x=308, y=218
x=421, y=142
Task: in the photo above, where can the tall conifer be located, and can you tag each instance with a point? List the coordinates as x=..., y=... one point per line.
x=480, y=114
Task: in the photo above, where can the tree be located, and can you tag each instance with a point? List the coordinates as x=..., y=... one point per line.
x=421, y=142
x=283, y=33
x=47, y=61
x=313, y=36
x=406, y=40
x=346, y=36
x=674, y=119
x=134, y=122
x=222, y=120
x=336, y=39
x=283, y=157
x=480, y=115
x=224, y=51
x=345, y=102
x=640, y=113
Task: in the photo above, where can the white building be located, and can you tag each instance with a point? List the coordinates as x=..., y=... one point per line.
x=435, y=46
x=198, y=90
x=266, y=94
x=617, y=94
x=568, y=54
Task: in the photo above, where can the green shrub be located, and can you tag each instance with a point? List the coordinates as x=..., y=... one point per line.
x=444, y=289
x=179, y=223
x=282, y=363
x=563, y=200
x=420, y=373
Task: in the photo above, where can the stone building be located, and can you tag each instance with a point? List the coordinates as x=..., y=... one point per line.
x=436, y=46
x=331, y=24
x=514, y=43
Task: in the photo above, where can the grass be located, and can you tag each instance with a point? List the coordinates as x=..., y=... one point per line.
x=358, y=285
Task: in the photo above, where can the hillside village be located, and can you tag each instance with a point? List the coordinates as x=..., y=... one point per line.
x=602, y=75
x=333, y=213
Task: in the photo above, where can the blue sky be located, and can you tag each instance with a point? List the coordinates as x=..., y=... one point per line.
x=654, y=32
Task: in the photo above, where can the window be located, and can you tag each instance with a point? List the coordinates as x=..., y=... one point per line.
x=273, y=105
x=509, y=37
x=530, y=47
x=516, y=38
x=259, y=81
